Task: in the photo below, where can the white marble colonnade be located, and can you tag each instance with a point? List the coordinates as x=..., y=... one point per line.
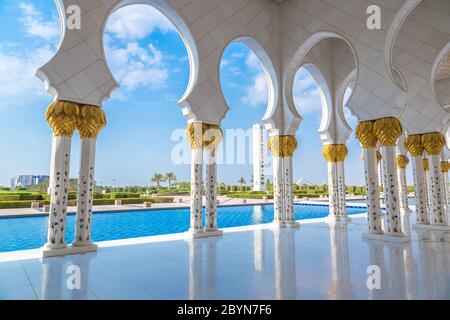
x=335, y=155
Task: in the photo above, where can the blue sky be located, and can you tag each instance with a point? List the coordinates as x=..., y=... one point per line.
x=149, y=60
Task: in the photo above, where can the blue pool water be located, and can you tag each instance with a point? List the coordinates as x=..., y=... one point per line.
x=31, y=232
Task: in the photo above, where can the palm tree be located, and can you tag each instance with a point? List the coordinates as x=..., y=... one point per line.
x=158, y=178
x=170, y=176
x=241, y=181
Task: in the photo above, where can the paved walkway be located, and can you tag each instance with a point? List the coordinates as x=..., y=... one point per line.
x=179, y=202
x=317, y=261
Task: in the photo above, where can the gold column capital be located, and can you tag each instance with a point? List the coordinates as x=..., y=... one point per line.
x=433, y=142
x=90, y=121
x=445, y=166
x=402, y=161
x=413, y=143
x=335, y=152
x=62, y=117
x=387, y=131
x=282, y=145
x=426, y=164
x=364, y=133
x=203, y=135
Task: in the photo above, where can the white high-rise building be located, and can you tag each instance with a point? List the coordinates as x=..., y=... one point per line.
x=259, y=149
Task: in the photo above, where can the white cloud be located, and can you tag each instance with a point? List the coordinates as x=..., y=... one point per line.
x=36, y=25
x=137, y=22
x=135, y=66
x=306, y=93
x=18, y=84
x=257, y=93
x=252, y=61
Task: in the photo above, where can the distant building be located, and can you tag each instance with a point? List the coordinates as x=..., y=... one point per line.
x=259, y=150
x=28, y=180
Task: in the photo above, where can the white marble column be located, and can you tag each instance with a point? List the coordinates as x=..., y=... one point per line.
x=289, y=219
x=444, y=171
x=433, y=144
x=335, y=155
x=391, y=193
x=59, y=186
x=194, y=134
x=278, y=190
x=388, y=130
x=91, y=121
x=413, y=143
x=426, y=169
x=365, y=134
x=380, y=178
x=211, y=193
x=196, y=190
x=438, y=215
x=372, y=191
x=420, y=191
x=83, y=241
x=333, y=193
x=61, y=117
x=282, y=148
x=402, y=162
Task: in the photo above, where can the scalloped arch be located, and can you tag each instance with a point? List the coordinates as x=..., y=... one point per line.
x=182, y=30
x=269, y=70
x=297, y=61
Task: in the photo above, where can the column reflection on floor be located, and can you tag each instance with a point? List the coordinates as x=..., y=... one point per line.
x=284, y=255
x=434, y=264
x=202, y=266
x=340, y=284
x=398, y=275
x=63, y=279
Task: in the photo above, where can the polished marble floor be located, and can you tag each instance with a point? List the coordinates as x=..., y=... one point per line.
x=317, y=261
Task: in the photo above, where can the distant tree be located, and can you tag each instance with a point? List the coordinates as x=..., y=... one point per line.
x=170, y=176
x=158, y=178
x=73, y=185
x=43, y=186
x=241, y=181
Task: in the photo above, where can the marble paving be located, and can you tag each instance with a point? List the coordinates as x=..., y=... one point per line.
x=319, y=260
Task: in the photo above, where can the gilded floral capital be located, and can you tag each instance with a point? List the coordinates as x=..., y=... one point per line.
x=387, y=131
x=62, y=118
x=445, y=166
x=364, y=133
x=433, y=142
x=335, y=152
x=203, y=135
x=402, y=161
x=282, y=146
x=90, y=121
x=413, y=143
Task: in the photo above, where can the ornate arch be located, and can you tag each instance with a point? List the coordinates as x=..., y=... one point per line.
x=297, y=61
x=391, y=36
x=270, y=72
